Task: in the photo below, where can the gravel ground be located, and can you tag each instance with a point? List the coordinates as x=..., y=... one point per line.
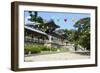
x=56, y=56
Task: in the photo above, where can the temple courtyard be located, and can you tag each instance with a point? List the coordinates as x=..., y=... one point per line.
x=57, y=56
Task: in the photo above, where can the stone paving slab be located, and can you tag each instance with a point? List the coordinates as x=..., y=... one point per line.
x=56, y=56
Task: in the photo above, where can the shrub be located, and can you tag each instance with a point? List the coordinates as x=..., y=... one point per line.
x=32, y=49
x=53, y=49
x=36, y=48
x=45, y=48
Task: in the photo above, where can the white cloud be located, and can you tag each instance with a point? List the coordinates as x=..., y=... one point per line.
x=26, y=20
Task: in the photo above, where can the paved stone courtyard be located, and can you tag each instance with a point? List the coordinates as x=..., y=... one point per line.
x=55, y=56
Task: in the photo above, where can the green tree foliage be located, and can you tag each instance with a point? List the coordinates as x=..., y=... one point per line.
x=35, y=17
x=41, y=24
x=83, y=32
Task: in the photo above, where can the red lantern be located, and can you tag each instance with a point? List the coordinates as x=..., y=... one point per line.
x=65, y=20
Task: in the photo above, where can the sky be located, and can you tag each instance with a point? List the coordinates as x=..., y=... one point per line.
x=65, y=20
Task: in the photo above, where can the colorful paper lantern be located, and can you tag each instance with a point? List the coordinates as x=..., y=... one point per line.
x=73, y=19
x=65, y=20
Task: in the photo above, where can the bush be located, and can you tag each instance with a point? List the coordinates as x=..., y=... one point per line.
x=44, y=48
x=32, y=49
x=53, y=49
x=36, y=48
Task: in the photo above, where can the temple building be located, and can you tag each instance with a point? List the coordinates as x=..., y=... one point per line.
x=45, y=34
